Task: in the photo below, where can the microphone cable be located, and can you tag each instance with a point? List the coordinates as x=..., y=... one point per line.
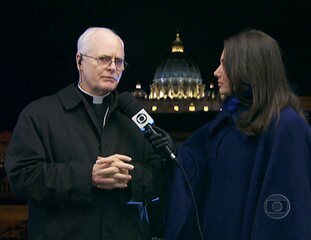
x=149, y=131
x=192, y=197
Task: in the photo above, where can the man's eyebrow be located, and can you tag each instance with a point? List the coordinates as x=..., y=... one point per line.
x=105, y=55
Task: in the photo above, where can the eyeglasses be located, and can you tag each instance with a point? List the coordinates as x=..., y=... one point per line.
x=106, y=61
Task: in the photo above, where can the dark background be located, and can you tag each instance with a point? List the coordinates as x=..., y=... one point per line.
x=38, y=40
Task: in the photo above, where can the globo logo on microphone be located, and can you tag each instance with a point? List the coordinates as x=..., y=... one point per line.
x=142, y=118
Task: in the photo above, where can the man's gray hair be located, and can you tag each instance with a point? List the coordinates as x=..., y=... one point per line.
x=83, y=41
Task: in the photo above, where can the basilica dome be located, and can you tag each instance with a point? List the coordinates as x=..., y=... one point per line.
x=177, y=77
x=177, y=68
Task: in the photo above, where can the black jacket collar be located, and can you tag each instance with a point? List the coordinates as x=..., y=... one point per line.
x=70, y=97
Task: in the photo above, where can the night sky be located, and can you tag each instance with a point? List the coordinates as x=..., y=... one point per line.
x=38, y=40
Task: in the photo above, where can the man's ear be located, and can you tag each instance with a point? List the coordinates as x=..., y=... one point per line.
x=79, y=61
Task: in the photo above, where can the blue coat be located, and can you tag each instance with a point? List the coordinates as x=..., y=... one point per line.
x=246, y=187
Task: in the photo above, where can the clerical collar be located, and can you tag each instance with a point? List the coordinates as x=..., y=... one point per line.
x=96, y=99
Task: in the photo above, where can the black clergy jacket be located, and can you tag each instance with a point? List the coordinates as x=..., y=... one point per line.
x=50, y=158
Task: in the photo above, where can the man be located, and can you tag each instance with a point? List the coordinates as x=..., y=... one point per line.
x=83, y=165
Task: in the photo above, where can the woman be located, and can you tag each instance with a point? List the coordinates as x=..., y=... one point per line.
x=250, y=167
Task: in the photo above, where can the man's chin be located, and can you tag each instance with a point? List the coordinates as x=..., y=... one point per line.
x=108, y=87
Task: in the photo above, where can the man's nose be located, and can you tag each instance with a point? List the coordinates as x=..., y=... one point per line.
x=112, y=65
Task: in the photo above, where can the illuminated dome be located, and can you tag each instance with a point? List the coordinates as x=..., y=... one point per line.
x=176, y=68
x=177, y=76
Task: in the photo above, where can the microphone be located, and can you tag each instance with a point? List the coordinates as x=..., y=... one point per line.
x=135, y=110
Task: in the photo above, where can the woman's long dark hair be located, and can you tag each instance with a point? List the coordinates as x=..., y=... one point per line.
x=254, y=66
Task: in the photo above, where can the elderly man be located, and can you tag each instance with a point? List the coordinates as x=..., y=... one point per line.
x=85, y=167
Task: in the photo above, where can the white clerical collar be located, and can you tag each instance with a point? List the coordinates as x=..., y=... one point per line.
x=96, y=99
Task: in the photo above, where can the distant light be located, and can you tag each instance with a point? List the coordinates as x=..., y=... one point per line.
x=138, y=86
x=211, y=86
x=205, y=109
x=178, y=49
x=176, y=108
x=154, y=108
x=191, y=107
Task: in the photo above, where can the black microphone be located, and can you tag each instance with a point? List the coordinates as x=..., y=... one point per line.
x=135, y=110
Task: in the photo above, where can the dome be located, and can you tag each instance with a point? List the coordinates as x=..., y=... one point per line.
x=177, y=76
x=177, y=68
